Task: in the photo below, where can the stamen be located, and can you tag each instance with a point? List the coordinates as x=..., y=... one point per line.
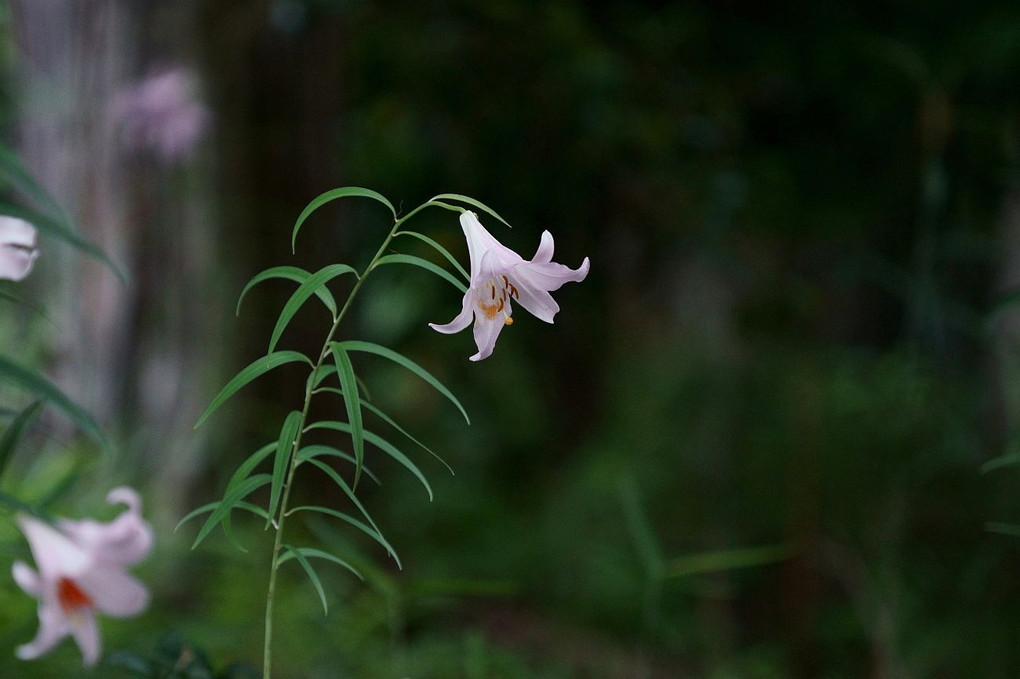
x=506, y=282
x=493, y=289
x=514, y=293
x=509, y=320
x=70, y=596
x=501, y=305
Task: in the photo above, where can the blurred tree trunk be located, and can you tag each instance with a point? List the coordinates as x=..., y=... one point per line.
x=134, y=354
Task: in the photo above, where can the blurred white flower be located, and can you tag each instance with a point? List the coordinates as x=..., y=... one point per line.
x=82, y=569
x=498, y=276
x=162, y=113
x=17, y=248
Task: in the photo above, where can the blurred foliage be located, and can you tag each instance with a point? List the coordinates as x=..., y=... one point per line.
x=799, y=220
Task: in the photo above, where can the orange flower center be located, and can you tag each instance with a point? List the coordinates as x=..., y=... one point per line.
x=71, y=597
x=498, y=299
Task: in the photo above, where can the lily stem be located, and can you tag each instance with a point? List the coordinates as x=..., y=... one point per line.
x=293, y=465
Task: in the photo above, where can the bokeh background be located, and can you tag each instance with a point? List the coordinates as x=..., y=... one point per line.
x=771, y=435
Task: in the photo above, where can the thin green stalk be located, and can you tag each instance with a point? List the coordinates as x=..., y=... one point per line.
x=282, y=512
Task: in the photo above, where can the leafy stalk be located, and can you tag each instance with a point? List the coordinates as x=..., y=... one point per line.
x=279, y=554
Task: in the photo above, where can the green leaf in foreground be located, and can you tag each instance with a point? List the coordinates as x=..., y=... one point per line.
x=292, y=273
x=256, y=368
x=400, y=359
x=380, y=443
x=15, y=431
x=343, y=192
x=284, y=449
x=470, y=201
x=42, y=388
x=423, y=264
x=352, y=402
x=229, y=501
x=317, y=281
x=438, y=248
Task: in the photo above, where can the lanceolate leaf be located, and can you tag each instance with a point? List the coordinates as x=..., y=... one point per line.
x=388, y=420
x=308, y=452
x=424, y=264
x=311, y=574
x=205, y=509
x=343, y=485
x=440, y=249
x=400, y=359
x=15, y=431
x=367, y=530
x=326, y=197
x=15, y=171
x=345, y=371
x=470, y=201
x=257, y=368
x=284, y=447
x=249, y=465
x=292, y=273
x=380, y=443
x=315, y=282
x=39, y=386
x=229, y=501
x=711, y=562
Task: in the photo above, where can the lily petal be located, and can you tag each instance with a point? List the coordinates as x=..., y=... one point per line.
x=114, y=592
x=55, y=554
x=461, y=321
x=486, y=332
x=53, y=627
x=17, y=248
x=124, y=541
x=27, y=579
x=86, y=633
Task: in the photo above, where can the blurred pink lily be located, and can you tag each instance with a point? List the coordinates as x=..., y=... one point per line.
x=17, y=248
x=82, y=570
x=498, y=276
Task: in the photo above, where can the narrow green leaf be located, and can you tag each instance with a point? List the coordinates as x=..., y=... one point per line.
x=640, y=529
x=62, y=231
x=438, y=248
x=366, y=529
x=11, y=297
x=15, y=431
x=256, y=368
x=249, y=465
x=284, y=448
x=424, y=264
x=17, y=505
x=388, y=420
x=1003, y=528
x=380, y=443
x=328, y=196
x=39, y=386
x=19, y=176
x=711, y=562
x=1007, y=460
x=400, y=359
x=317, y=377
x=296, y=554
x=312, y=553
x=316, y=450
x=315, y=282
x=205, y=509
x=291, y=273
x=352, y=402
x=229, y=501
x=343, y=485
x=472, y=202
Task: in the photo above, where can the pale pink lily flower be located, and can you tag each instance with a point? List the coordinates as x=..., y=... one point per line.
x=498, y=277
x=82, y=570
x=17, y=248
